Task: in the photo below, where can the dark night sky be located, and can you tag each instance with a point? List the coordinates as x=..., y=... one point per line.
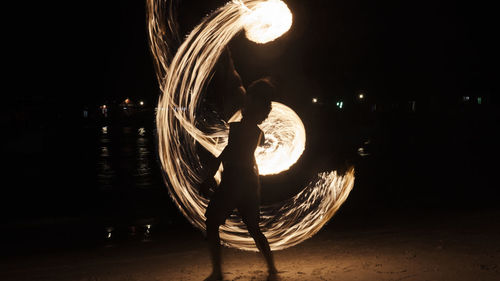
x=90, y=51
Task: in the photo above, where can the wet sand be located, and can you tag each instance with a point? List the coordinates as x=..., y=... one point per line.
x=444, y=247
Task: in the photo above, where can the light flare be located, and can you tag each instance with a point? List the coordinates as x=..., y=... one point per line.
x=266, y=21
x=182, y=78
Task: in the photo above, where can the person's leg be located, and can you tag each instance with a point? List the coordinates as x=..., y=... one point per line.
x=214, y=247
x=251, y=219
x=220, y=207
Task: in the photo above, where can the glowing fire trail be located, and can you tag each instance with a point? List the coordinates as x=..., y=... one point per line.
x=182, y=79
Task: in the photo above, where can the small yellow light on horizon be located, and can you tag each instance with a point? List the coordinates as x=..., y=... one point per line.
x=315, y=100
x=141, y=102
x=361, y=96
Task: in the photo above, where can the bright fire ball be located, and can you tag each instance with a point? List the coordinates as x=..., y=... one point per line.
x=267, y=21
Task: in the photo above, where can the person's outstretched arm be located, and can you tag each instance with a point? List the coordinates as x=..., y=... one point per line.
x=234, y=83
x=228, y=84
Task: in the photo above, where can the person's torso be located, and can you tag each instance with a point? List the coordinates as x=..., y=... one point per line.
x=243, y=140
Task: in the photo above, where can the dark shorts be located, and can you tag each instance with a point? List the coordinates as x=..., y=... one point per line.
x=242, y=195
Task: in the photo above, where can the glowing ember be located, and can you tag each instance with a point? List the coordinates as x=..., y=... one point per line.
x=267, y=21
x=182, y=78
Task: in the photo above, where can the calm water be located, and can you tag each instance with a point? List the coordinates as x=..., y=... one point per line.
x=86, y=183
x=126, y=152
x=130, y=187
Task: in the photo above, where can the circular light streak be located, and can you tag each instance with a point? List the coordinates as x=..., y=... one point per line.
x=182, y=78
x=285, y=140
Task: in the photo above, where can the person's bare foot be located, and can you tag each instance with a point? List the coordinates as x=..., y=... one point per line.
x=215, y=276
x=273, y=276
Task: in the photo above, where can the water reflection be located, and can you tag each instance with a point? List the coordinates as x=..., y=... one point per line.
x=143, y=167
x=124, y=158
x=141, y=131
x=109, y=232
x=363, y=150
x=129, y=184
x=105, y=171
x=139, y=233
x=147, y=232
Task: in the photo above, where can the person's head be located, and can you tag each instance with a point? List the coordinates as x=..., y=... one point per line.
x=257, y=104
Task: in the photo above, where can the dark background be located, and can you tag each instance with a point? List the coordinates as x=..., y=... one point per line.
x=63, y=58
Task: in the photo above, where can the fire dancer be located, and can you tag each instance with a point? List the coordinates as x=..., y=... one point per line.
x=240, y=185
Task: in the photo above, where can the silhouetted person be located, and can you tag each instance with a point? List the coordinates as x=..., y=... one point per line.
x=240, y=185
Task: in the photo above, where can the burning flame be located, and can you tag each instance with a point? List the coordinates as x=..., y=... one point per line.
x=267, y=20
x=182, y=77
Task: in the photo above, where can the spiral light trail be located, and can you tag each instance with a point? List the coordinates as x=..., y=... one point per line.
x=182, y=77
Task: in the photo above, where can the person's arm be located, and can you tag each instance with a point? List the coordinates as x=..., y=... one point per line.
x=229, y=83
x=209, y=183
x=235, y=84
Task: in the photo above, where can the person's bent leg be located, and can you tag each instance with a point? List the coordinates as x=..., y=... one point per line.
x=260, y=241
